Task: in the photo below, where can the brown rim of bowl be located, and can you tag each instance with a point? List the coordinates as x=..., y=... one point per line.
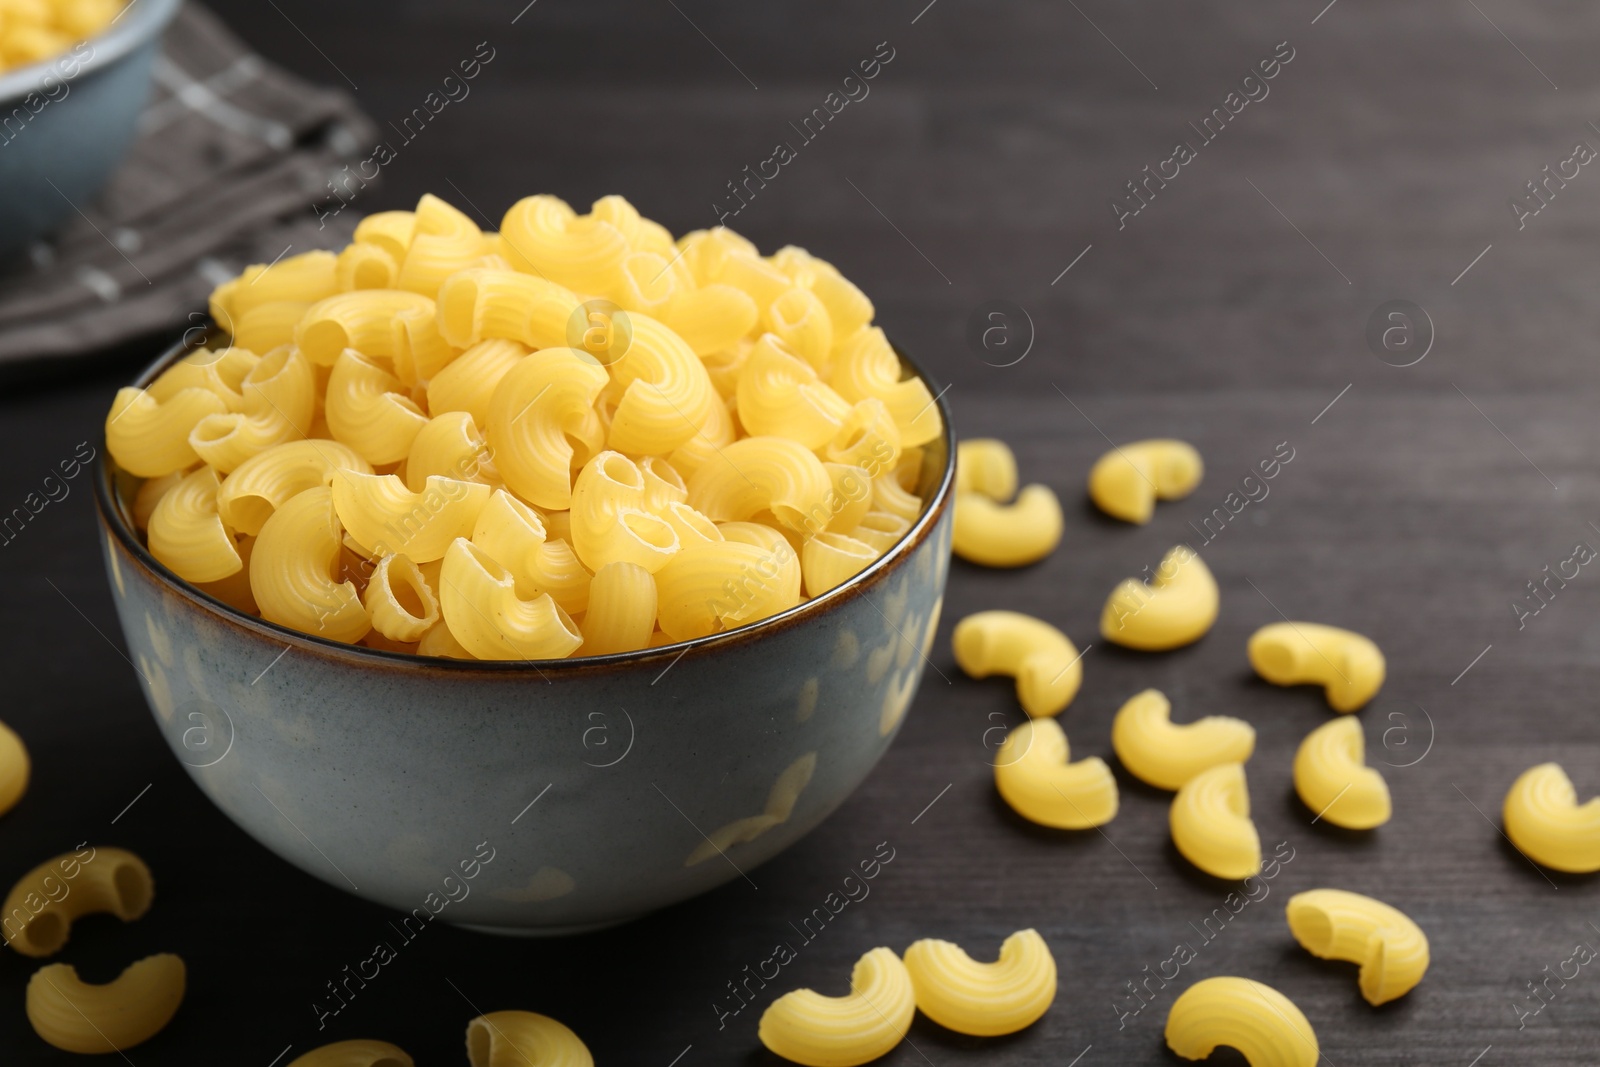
x=111, y=513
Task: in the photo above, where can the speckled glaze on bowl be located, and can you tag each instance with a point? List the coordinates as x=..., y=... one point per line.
x=600, y=788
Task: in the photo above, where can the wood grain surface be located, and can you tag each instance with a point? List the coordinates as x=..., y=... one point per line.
x=1230, y=311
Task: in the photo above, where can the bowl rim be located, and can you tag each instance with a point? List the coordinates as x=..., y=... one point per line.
x=113, y=517
x=137, y=23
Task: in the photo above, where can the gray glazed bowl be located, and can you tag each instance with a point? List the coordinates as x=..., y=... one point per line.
x=599, y=788
x=66, y=122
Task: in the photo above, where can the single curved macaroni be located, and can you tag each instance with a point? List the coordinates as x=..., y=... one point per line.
x=985, y=465
x=391, y=231
x=261, y=484
x=149, y=437
x=819, y=1031
x=294, y=567
x=1165, y=754
x=468, y=382
x=610, y=519
x=1175, y=608
x=366, y=266
x=480, y=604
x=756, y=474
x=622, y=609
x=848, y=307
x=1334, y=924
x=716, y=585
x=188, y=535
x=443, y=241
x=361, y=1052
x=868, y=438
x=780, y=394
x=1211, y=827
x=523, y=1039
x=1126, y=482
x=1256, y=1019
x=866, y=365
x=663, y=390
x=449, y=446
x=1333, y=780
x=368, y=409
x=1349, y=667
x=1033, y=775
x=537, y=405
x=711, y=319
x=75, y=1016
x=42, y=906
x=372, y=322
x=983, y=999
x=1544, y=819
x=830, y=559
x=781, y=563
x=268, y=326
x=278, y=396
x=511, y=533
x=485, y=304
x=15, y=768
x=892, y=498
x=995, y=534
x=306, y=278
x=544, y=236
x=799, y=319
x=385, y=518
x=1042, y=659
x=398, y=599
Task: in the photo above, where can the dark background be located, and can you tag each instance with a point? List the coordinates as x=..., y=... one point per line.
x=1415, y=508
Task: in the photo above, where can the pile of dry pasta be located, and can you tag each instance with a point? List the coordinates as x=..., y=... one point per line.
x=572, y=436
x=35, y=30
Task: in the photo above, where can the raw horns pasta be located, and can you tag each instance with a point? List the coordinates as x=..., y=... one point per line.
x=1333, y=780
x=1175, y=608
x=42, y=906
x=1349, y=667
x=1211, y=827
x=1165, y=754
x=1126, y=482
x=438, y=439
x=360, y=1052
x=77, y=1016
x=1334, y=924
x=1254, y=1018
x=983, y=999
x=820, y=1031
x=1033, y=775
x=508, y=1038
x=1544, y=819
x=988, y=530
x=1047, y=667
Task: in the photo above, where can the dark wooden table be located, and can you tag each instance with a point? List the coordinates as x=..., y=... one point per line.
x=1231, y=311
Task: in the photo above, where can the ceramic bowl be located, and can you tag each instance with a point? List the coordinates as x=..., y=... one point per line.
x=66, y=122
x=533, y=797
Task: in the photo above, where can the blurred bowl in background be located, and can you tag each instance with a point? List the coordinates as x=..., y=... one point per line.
x=65, y=122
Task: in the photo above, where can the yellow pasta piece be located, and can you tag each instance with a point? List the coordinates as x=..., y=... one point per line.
x=866, y=365
x=757, y=474
x=367, y=320
x=1545, y=821
x=610, y=521
x=1175, y=608
x=398, y=599
x=985, y=465
x=150, y=437
x=510, y=532
x=444, y=240
x=75, y=1016
x=487, y=303
x=706, y=250
x=1334, y=924
x=479, y=600
x=523, y=1039
x=42, y=906
x=868, y=438
x=1211, y=827
x=881, y=530
x=663, y=485
x=1007, y=535
x=268, y=326
x=261, y=484
x=279, y=396
x=1333, y=780
x=779, y=553
x=983, y=999
x=645, y=283
x=306, y=278
x=716, y=585
x=663, y=391
x=468, y=382
x=799, y=318
x=544, y=236
x=220, y=371
x=1033, y=775
x=780, y=394
x=1126, y=482
x=538, y=403
x=384, y=517
x=848, y=308
x=361, y=1052
x=819, y=1031
x=556, y=570
x=15, y=768
x=831, y=559
x=754, y=275
x=1165, y=754
x=149, y=494
x=188, y=535
x=366, y=266
x=890, y=497
x=848, y=502
x=711, y=319
x=391, y=231
x=1047, y=667
x=439, y=641
x=1349, y=667
x=622, y=609
x=368, y=410
x=294, y=570
x=1256, y=1019
x=449, y=446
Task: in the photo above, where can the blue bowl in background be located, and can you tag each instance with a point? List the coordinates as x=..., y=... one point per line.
x=66, y=122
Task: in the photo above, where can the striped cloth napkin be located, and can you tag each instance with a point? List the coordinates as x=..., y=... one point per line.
x=230, y=156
